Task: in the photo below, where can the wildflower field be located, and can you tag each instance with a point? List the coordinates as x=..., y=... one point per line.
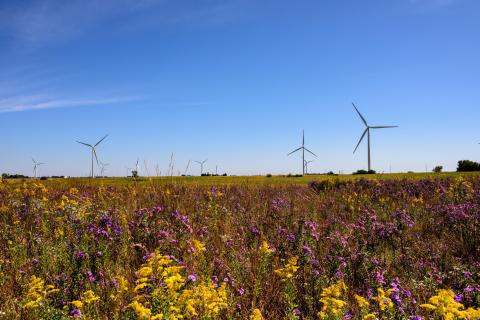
x=330, y=249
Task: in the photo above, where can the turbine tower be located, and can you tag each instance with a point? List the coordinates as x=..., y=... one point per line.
x=94, y=152
x=35, y=167
x=306, y=165
x=303, y=152
x=201, y=163
x=186, y=169
x=137, y=168
x=367, y=132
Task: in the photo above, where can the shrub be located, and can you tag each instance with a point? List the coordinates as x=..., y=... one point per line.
x=467, y=165
x=438, y=169
x=365, y=172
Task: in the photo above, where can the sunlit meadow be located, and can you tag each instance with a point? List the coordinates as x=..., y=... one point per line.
x=353, y=249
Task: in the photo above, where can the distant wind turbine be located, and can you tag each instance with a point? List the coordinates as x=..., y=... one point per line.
x=137, y=168
x=102, y=167
x=306, y=165
x=188, y=165
x=94, y=152
x=35, y=167
x=201, y=163
x=303, y=152
x=128, y=170
x=367, y=132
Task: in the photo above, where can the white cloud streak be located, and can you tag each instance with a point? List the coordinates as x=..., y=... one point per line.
x=46, y=21
x=38, y=102
x=433, y=4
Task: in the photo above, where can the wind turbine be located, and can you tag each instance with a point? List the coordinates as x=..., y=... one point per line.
x=94, y=152
x=102, y=167
x=137, y=167
x=188, y=165
x=367, y=131
x=201, y=163
x=303, y=152
x=306, y=165
x=35, y=167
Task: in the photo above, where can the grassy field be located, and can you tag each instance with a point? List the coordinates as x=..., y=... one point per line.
x=262, y=180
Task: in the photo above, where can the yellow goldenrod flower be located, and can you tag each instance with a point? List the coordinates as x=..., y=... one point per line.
x=333, y=305
x=198, y=246
x=256, y=315
x=289, y=270
x=361, y=302
x=141, y=311
x=265, y=248
x=89, y=297
x=444, y=304
x=37, y=292
x=383, y=300
x=144, y=272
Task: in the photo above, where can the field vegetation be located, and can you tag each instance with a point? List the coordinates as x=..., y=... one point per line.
x=315, y=247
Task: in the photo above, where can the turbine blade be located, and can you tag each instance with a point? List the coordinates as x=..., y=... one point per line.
x=360, y=141
x=85, y=144
x=294, y=151
x=34, y=160
x=361, y=117
x=101, y=140
x=383, y=127
x=96, y=158
x=311, y=152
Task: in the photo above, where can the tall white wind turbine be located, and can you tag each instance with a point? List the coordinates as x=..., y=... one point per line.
x=94, y=152
x=367, y=132
x=302, y=147
x=201, y=163
x=35, y=167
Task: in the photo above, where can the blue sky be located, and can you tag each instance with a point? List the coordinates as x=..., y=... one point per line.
x=236, y=81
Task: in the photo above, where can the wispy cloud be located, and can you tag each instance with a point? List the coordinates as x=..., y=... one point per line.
x=45, y=21
x=38, y=102
x=433, y=4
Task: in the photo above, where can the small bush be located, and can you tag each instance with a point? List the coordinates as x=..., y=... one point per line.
x=438, y=169
x=365, y=172
x=467, y=165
